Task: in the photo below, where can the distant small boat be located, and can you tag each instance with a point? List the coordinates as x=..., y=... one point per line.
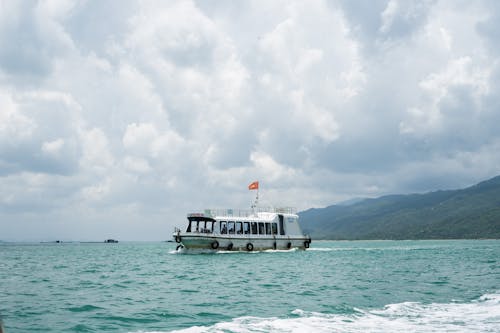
x=110, y=241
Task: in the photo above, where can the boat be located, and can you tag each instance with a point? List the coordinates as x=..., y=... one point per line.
x=256, y=229
x=110, y=241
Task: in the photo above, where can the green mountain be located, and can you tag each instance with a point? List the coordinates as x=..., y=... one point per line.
x=473, y=212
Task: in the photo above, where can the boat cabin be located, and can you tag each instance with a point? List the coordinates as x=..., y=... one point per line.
x=256, y=224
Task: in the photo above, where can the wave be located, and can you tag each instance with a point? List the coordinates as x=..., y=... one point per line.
x=481, y=315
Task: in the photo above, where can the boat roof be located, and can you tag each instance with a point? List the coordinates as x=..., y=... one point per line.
x=245, y=214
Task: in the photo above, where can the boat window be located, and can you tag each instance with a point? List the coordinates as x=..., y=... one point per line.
x=275, y=228
x=254, y=228
x=208, y=227
x=268, y=228
x=239, y=228
x=261, y=228
x=246, y=227
x=282, y=226
x=230, y=226
x=223, y=228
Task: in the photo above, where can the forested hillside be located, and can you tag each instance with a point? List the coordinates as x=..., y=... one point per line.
x=473, y=212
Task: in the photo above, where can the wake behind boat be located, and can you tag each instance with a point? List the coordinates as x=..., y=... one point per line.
x=243, y=230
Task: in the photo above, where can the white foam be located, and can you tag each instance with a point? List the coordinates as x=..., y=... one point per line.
x=370, y=249
x=183, y=250
x=482, y=315
x=323, y=249
x=293, y=249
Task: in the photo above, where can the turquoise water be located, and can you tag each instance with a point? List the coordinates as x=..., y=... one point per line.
x=361, y=286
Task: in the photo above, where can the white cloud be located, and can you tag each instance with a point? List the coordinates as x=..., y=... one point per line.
x=40, y=132
x=437, y=86
x=53, y=147
x=14, y=125
x=271, y=170
x=138, y=137
x=96, y=192
x=388, y=15
x=311, y=118
x=146, y=140
x=137, y=164
x=96, y=151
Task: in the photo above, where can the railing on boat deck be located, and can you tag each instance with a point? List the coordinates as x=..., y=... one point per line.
x=250, y=212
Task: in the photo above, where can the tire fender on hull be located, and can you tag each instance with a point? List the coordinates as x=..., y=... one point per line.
x=249, y=247
x=215, y=245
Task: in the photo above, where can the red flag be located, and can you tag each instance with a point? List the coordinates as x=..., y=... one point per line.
x=254, y=186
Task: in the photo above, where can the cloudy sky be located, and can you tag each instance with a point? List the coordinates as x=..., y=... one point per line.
x=119, y=117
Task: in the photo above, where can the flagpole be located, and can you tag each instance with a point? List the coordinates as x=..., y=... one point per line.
x=257, y=198
x=254, y=206
x=255, y=186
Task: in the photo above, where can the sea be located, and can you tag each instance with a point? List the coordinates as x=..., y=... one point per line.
x=334, y=286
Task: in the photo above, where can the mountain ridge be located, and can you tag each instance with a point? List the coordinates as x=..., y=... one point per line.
x=472, y=212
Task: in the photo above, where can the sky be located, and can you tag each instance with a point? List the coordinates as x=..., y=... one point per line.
x=117, y=118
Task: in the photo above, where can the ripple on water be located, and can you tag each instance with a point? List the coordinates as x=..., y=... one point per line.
x=81, y=328
x=84, y=308
x=125, y=319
